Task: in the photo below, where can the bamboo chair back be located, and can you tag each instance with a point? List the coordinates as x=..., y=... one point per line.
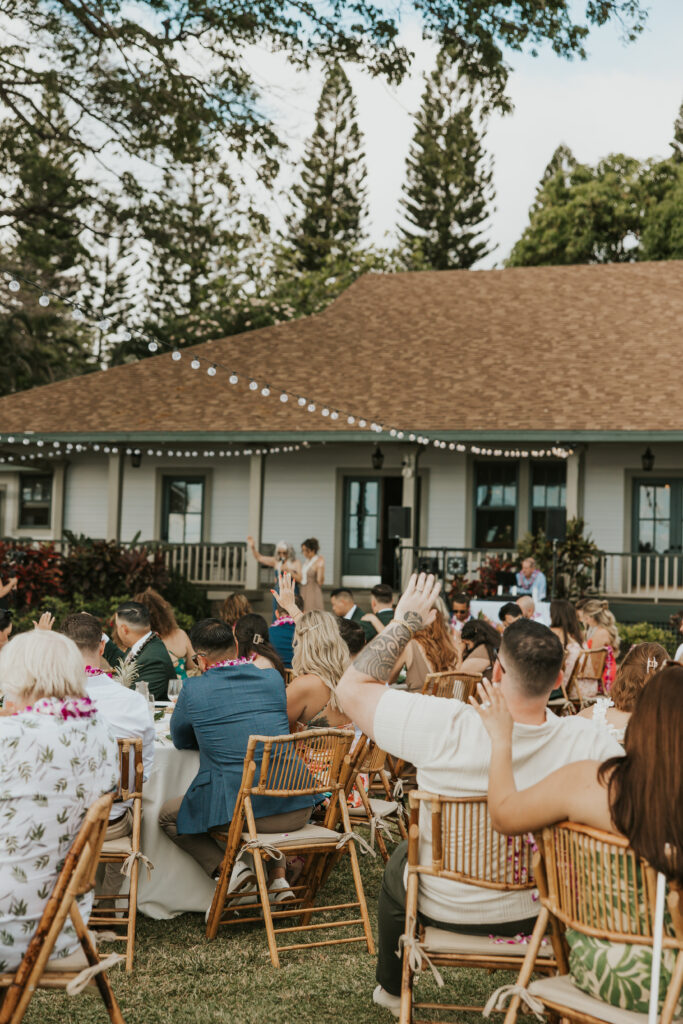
x=314, y=762
x=466, y=848
x=454, y=684
x=76, y=878
x=370, y=760
x=597, y=885
x=106, y=912
x=589, y=665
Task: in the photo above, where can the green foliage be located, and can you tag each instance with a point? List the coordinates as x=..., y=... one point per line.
x=38, y=571
x=448, y=190
x=330, y=199
x=643, y=633
x=619, y=211
x=102, y=568
x=190, y=603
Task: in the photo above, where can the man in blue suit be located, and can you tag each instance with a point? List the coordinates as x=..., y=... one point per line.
x=216, y=714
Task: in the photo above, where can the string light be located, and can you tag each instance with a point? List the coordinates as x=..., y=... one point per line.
x=106, y=324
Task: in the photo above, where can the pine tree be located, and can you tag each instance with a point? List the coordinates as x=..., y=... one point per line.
x=46, y=207
x=677, y=144
x=448, y=190
x=330, y=198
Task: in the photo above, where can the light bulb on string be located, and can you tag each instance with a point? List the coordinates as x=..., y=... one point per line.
x=311, y=407
x=253, y=385
x=284, y=397
x=334, y=415
x=301, y=402
x=176, y=355
x=265, y=391
x=233, y=378
x=152, y=346
x=103, y=325
x=195, y=364
x=44, y=300
x=326, y=412
x=350, y=420
x=212, y=370
x=14, y=285
x=78, y=315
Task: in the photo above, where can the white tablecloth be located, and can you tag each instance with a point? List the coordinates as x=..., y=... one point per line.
x=177, y=884
x=491, y=609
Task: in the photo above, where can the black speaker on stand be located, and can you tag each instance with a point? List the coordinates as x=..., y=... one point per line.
x=398, y=524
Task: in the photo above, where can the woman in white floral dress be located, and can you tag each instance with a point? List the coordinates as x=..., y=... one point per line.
x=56, y=758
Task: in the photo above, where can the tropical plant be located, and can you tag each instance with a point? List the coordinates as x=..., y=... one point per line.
x=94, y=569
x=37, y=568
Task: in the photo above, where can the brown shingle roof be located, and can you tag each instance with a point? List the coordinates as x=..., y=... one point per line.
x=548, y=349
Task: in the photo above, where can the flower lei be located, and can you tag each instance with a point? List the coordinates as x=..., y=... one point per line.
x=233, y=661
x=286, y=620
x=65, y=707
x=90, y=670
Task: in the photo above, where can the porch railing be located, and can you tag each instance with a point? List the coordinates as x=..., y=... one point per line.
x=615, y=574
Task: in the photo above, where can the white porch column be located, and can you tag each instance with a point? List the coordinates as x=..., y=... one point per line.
x=573, y=480
x=256, y=474
x=523, y=498
x=114, y=483
x=58, y=501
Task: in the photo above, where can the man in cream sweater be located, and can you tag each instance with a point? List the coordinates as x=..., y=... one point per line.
x=450, y=748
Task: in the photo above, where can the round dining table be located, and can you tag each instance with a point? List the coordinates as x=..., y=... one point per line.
x=177, y=884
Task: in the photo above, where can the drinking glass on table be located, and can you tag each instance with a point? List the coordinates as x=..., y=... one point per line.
x=174, y=687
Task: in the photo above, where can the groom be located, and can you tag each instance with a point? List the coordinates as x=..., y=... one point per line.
x=143, y=647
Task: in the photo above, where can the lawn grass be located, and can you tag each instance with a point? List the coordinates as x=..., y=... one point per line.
x=181, y=978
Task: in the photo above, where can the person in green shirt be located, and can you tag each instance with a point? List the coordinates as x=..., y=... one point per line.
x=141, y=646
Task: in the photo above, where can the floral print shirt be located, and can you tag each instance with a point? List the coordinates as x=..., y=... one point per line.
x=56, y=759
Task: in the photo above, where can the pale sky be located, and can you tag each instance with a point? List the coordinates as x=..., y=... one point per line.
x=624, y=98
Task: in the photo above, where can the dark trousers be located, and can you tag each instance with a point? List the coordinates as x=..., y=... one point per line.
x=391, y=916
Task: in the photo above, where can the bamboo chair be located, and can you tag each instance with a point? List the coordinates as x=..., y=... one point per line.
x=125, y=851
x=376, y=813
x=589, y=665
x=592, y=882
x=465, y=848
x=458, y=685
x=37, y=970
x=315, y=762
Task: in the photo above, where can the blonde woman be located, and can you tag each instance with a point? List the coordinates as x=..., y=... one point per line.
x=320, y=659
x=601, y=631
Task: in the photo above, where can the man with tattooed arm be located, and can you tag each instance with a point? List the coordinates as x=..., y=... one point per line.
x=449, y=746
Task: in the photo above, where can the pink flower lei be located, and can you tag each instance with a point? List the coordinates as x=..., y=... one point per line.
x=90, y=670
x=233, y=661
x=286, y=620
x=64, y=707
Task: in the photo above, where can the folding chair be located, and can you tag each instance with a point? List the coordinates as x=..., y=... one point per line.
x=314, y=762
x=126, y=852
x=465, y=848
x=459, y=685
x=84, y=967
x=589, y=665
x=590, y=881
x=378, y=813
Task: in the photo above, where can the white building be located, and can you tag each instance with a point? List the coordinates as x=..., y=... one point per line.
x=500, y=368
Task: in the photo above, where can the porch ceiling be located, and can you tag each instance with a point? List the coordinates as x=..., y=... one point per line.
x=541, y=353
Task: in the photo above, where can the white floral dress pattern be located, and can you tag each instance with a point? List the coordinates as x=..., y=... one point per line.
x=56, y=759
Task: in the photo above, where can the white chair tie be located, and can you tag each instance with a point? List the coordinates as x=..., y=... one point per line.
x=127, y=865
x=417, y=956
x=378, y=825
x=347, y=837
x=259, y=844
x=398, y=790
x=502, y=995
x=83, y=979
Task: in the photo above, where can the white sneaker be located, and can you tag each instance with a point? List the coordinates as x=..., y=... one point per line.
x=242, y=880
x=383, y=998
x=282, y=891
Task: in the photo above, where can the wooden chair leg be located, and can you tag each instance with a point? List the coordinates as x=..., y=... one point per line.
x=262, y=884
x=220, y=893
x=358, y=882
x=132, y=915
x=671, y=1002
x=101, y=980
x=527, y=968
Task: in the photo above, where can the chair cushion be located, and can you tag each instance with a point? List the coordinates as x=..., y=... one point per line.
x=300, y=837
x=123, y=845
x=380, y=808
x=563, y=991
x=440, y=940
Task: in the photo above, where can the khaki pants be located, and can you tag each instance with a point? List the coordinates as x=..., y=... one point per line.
x=206, y=850
x=113, y=879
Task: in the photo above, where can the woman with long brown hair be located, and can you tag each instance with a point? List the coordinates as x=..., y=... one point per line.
x=480, y=646
x=431, y=650
x=638, y=795
x=163, y=621
x=636, y=670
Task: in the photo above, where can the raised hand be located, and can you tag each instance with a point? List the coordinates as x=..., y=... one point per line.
x=46, y=621
x=286, y=596
x=493, y=711
x=416, y=606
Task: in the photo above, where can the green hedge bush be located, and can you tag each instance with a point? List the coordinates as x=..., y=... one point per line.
x=645, y=633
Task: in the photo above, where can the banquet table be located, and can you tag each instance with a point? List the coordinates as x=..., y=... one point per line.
x=177, y=884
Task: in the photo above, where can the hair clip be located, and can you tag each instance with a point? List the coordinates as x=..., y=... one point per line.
x=257, y=638
x=651, y=664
